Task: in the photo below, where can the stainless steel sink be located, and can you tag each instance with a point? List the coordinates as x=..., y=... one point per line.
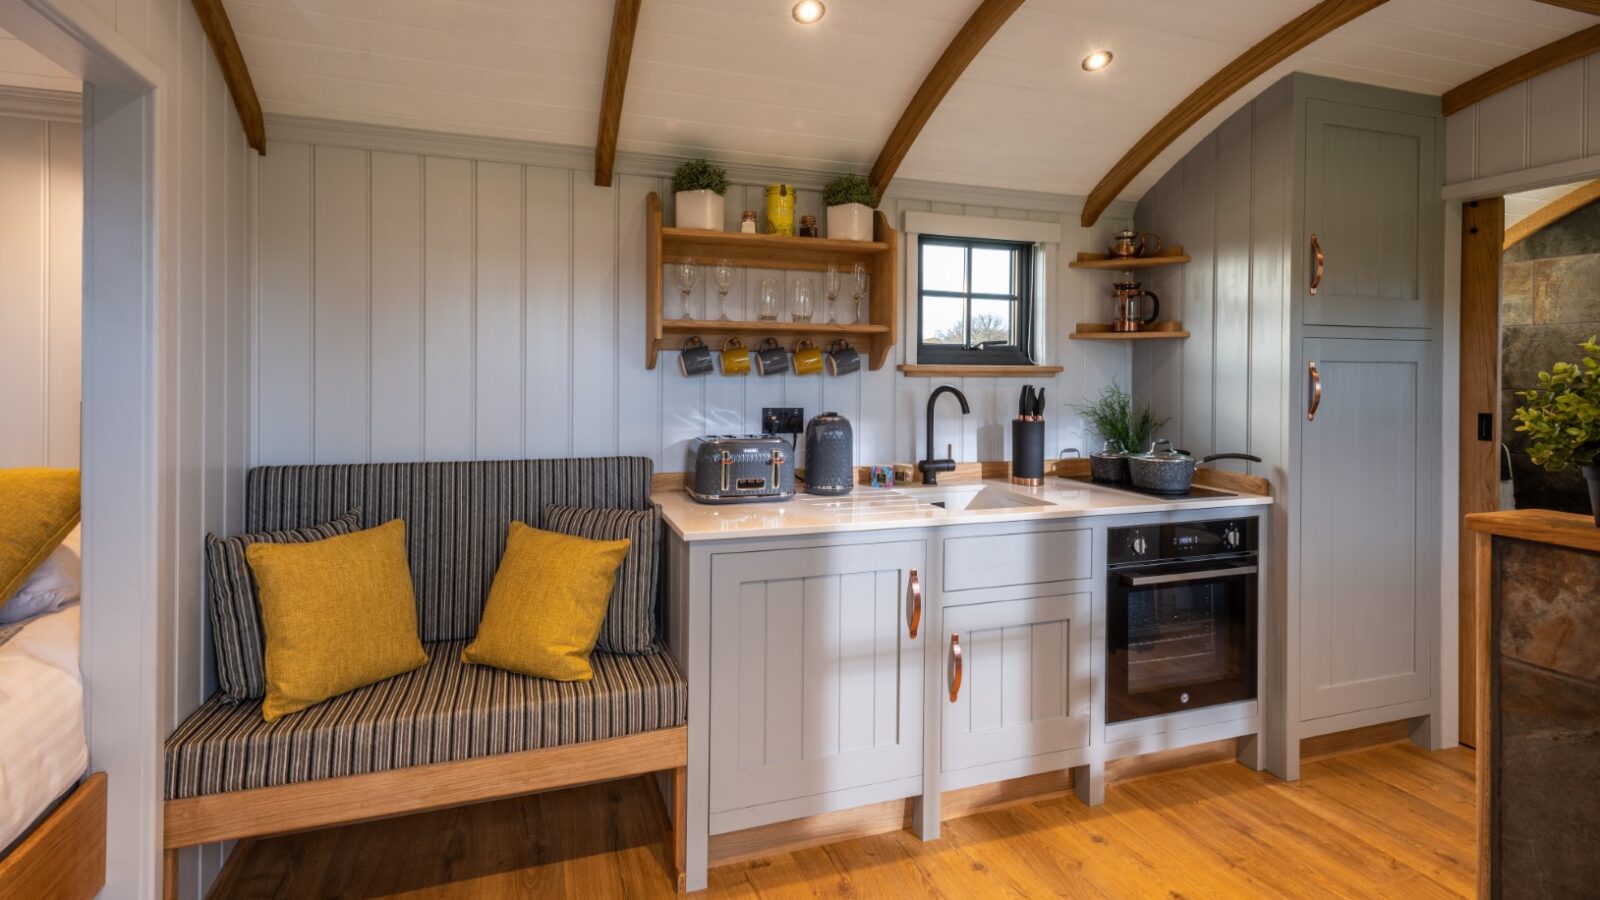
x=973, y=498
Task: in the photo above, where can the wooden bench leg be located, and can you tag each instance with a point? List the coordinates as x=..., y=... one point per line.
x=678, y=837
x=169, y=875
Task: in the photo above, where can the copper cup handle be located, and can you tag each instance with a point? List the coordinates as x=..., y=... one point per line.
x=1316, y=391
x=955, y=667
x=1319, y=262
x=913, y=604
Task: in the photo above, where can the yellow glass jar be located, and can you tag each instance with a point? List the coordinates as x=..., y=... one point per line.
x=780, y=209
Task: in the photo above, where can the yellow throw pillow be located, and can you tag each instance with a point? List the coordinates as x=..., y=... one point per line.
x=547, y=604
x=38, y=509
x=337, y=614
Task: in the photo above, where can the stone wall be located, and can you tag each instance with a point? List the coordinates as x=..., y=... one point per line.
x=1550, y=302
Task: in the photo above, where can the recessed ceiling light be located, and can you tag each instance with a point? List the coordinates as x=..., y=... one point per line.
x=809, y=12
x=1095, y=61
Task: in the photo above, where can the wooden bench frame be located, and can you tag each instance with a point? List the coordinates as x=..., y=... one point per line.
x=328, y=802
x=64, y=858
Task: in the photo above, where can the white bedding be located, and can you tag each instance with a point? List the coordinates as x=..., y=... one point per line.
x=43, y=751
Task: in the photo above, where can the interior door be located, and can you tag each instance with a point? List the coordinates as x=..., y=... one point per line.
x=1023, y=692
x=816, y=679
x=1366, y=612
x=1371, y=199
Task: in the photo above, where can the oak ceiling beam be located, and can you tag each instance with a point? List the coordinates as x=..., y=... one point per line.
x=979, y=28
x=1276, y=47
x=1551, y=212
x=225, y=44
x=1535, y=62
x=624, y=23
x=1592, y=7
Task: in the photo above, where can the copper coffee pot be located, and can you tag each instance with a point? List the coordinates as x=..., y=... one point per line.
x=1128, y=243
x=1126, y=296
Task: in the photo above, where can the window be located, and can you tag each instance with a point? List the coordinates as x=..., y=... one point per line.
x=975, y=303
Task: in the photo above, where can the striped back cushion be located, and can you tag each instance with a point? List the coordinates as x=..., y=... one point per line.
x=630, y=625
x=456, y=515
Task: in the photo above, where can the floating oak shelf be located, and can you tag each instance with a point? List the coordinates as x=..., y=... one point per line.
x=1099, y=331
x=1170, y=256
x=768, y=251
x=978, y=371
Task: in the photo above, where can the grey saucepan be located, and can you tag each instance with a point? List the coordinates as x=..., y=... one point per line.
x=1171, y=471
x=1110, y=464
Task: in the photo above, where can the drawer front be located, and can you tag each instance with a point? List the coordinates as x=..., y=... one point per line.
x=1031, y=557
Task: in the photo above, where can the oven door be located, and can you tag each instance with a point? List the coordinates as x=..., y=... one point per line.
x=1180, y=635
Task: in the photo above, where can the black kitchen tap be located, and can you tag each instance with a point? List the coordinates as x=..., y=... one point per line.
x=929, y=466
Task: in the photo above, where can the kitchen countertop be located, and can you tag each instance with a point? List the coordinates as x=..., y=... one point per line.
x=868, y=509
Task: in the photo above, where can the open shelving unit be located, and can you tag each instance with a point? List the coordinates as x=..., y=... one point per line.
x=875, y=338
x=1158, y=331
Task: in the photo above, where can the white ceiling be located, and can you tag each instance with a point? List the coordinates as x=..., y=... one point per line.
x=1522, y=205
x=23, y=66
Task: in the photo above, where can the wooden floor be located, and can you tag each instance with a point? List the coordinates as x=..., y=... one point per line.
x=1391, y=821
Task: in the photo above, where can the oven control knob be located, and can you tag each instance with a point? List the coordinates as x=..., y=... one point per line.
x=1184, y=698
x=1230, y=537
x=1138, y=544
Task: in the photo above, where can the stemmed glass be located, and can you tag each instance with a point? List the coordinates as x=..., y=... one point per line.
x=859, y=287
x=724, y=275
x=801, y=299
x=830, y=286
x=688, y=275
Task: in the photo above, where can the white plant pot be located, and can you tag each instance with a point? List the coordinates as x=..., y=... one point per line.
x=700, y=209
x=850, y=222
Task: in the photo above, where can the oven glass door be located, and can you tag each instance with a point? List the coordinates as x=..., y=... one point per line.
x=1180, y=636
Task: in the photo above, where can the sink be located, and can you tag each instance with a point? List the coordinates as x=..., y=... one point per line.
x=974, y=498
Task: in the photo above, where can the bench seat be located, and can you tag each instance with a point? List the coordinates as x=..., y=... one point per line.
x=445, y=711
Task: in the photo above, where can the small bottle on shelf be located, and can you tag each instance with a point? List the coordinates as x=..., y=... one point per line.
x=747, y=222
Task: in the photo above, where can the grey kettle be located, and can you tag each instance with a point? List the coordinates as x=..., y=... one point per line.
x=830, y=455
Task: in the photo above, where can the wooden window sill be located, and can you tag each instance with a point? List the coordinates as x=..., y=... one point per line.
x=979, y=371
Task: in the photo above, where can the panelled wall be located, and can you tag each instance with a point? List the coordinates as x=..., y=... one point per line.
x=41, y=287
x=1545, y=130
x=424, y=299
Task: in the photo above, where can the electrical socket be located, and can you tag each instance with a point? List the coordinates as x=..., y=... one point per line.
x=782, y=420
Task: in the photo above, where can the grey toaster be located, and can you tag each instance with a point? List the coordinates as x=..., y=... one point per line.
x=731, y=468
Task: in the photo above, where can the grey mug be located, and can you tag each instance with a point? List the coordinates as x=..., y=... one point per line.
x=695, y=358
x=771, y=358
x=843, y=358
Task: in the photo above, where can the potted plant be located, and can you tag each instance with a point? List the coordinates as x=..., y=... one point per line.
x=699, y=186
x=1114, y=419
x=850, y=200
x=1562, y=419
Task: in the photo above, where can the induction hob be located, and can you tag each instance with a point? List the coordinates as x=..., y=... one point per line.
x=1195, y=491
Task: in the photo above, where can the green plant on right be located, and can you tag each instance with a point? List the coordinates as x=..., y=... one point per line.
x=1561, y=417
x=849, y=188
x=700, y=175
x=1114, y=419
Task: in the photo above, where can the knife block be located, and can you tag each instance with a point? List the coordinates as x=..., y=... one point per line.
x=1027, y=451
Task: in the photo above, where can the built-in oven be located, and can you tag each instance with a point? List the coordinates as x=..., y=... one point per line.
x=1181, y=606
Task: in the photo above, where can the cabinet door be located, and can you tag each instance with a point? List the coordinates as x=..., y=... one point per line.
x=816, y=683
x=1366, y=611
x=1371, y=193
x=1025, y=676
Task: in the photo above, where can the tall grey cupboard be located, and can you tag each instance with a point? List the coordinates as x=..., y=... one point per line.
x=1314, y=301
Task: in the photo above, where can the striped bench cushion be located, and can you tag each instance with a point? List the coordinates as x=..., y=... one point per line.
x=442, y=712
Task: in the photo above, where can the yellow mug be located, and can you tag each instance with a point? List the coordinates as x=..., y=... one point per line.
x=735, y=357
x=807, y=358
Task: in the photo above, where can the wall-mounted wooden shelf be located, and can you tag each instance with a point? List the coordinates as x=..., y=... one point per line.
x=921, y=371
x=1099, y=331
x=876, y=336
x=1170, y=256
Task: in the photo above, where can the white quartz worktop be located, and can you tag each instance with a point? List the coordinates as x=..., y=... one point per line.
x=868, y=509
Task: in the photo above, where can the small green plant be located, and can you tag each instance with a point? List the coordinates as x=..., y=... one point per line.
x=849, y=188
x=700, y=175
x=1561, y=417
x=1114, y=419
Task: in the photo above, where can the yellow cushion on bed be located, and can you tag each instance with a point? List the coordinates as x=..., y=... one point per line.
x=547, y=604
x=337, y=614
x=38, y=509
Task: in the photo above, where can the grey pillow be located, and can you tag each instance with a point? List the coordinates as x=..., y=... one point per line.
x=236, y=633
x=630, y=625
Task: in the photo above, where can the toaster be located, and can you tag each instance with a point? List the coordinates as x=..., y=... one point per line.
x=730, y=468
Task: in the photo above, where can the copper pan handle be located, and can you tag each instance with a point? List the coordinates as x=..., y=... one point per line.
x=1316, y=391
x=955, y=667
x=913, y=604
x=1319, y=264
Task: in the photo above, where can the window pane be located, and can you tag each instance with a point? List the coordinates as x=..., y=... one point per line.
x=991, y=270
x=943, y=267
x=991, y=321
x=944, y=320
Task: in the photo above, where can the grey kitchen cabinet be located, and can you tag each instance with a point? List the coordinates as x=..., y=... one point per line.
x=816, y=680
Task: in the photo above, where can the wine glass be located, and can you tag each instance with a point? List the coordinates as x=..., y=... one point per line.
x=802, y=299
x=767, y=305
x=688, y=275
x=830, y=287
x=859, y=287
x=724, y=275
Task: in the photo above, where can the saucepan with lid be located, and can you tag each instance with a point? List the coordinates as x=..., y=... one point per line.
x=1110, y=464
x=1171, y=471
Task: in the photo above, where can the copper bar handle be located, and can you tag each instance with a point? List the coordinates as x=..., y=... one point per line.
x=1316, y=391
x=1319, y=264
x=955, y=667
x=913, y=604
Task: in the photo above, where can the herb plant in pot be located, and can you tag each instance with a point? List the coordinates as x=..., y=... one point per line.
x=1562, y=419
x=699, y=186
x=850, y=200
x=1123, y=429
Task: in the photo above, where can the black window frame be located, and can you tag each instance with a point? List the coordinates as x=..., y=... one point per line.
x=1017, y=354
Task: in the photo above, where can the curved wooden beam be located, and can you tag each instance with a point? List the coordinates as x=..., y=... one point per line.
x=1592, y=7
x=624, y=23
x=980, y=27
x=225, y=44
x=1535, y=62
x=1562, y=206
x=1250, y=65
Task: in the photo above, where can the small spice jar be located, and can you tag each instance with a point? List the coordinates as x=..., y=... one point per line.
x=808, y=226
x=747, y=222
